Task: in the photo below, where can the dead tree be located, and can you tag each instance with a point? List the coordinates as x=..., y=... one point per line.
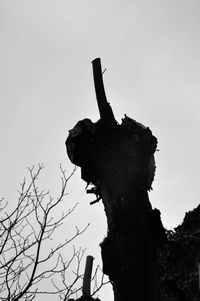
x=118, y=159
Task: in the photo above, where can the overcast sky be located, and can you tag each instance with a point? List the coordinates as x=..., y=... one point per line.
x=151, y=52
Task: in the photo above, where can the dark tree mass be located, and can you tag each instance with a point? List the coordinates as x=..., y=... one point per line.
x=178, y=261
x=118, y=159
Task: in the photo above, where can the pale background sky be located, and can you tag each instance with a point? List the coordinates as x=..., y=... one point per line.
x=151, y=50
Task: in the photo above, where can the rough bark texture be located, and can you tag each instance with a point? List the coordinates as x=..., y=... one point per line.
x=118, y=160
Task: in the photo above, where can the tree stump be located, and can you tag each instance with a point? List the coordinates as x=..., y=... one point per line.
x=118, y=159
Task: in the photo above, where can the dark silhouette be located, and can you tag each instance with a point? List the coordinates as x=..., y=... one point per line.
x=118, y=159
x=178, y=260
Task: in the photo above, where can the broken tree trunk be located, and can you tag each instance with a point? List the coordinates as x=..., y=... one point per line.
x=118, y=160
x=87, y=276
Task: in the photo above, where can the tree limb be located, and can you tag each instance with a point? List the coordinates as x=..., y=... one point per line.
x=105, y=110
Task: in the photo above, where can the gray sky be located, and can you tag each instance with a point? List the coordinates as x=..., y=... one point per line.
x=151, y=50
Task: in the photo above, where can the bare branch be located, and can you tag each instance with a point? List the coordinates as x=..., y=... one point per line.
x=23, y=233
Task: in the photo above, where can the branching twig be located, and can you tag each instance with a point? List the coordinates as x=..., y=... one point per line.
x=23, y=236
